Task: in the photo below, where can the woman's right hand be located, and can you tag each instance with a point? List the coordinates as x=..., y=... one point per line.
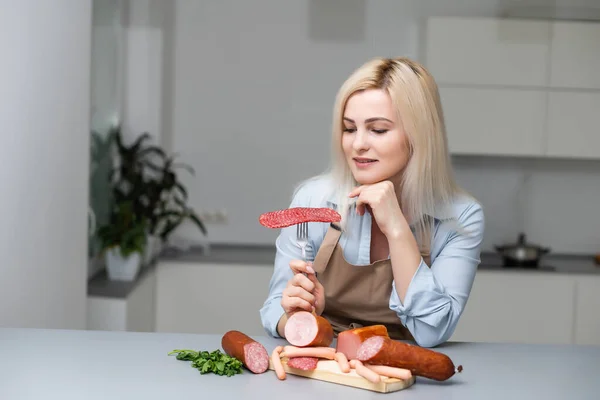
x=303, y=292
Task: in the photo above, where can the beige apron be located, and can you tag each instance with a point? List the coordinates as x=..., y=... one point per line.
x=357, y=296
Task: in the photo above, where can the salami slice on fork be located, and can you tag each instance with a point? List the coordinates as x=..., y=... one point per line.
x=297, y=215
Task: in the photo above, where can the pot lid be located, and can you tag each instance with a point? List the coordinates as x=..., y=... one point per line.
x=522, y=243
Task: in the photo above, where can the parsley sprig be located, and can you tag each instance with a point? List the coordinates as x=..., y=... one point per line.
x=215, y=361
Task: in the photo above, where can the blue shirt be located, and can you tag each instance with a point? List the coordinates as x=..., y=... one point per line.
x=436, y=296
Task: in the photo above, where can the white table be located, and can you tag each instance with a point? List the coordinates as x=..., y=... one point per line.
x=56, y=364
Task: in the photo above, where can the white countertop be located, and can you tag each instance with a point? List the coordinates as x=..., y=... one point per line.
x=68, y=365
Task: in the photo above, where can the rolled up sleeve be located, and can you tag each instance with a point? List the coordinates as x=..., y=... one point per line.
x=437, y=296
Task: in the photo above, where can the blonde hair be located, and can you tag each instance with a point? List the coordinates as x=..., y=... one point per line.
x=428, y=184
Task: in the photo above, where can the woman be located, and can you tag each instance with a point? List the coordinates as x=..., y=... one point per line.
x=407, y=249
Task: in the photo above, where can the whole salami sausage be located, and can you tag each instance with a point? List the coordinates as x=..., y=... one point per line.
x=381, y=350
x=297, y=215
x=251, y=353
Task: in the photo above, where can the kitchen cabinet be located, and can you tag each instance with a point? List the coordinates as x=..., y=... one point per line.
x=587, y=326
x=488, y=51
x=517, y=87
x=211, y=298
x=572, y=124
x=504, y=306
x=575, y=55
x=135, y=312
x=519, y=307
x=494, y=121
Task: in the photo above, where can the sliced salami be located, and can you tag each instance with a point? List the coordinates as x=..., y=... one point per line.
x=303, y=363
x=257, y=359
x=297, y=215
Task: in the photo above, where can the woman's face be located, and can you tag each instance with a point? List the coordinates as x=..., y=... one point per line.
x=373, y=138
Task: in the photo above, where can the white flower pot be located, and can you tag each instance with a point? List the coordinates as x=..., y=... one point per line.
x=122, y=269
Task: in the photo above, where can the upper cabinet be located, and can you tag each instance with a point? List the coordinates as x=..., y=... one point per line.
x=488, y=51
x=494, y=121
x=572, y=130
x=517, y=87
x=575, y=60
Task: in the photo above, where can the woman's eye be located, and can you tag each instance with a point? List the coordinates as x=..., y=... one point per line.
x=349, y=129
x=380, y=130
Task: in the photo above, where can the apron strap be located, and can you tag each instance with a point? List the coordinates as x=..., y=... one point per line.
x=425, y=247
x=326, y=250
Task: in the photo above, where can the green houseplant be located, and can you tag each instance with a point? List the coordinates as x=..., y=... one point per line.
x=134, y=179
x=123, y=240
x=146, y=179
x=99, y=185
x=172, y=209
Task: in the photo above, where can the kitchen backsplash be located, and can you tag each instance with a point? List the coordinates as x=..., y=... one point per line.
x=554, y=202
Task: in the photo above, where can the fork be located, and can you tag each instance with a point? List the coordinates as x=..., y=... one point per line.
x=302, y=237
x=302, y=240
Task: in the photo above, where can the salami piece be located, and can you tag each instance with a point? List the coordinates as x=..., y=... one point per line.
x=304, y=329
x=303, y=363
x=349, y=341
x=297, y=215
x=381, y=350
x=251, y=353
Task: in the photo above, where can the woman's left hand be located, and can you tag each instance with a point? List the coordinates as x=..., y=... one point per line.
x=383, y=202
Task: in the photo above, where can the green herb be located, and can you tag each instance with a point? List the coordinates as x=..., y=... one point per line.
x=216, y=362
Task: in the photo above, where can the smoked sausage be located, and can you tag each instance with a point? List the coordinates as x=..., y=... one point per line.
x=305, y=329
x=365, y=372
x=381, y=350
x=319, y=352
x=350, y=340
x=390, y=372
x=251, y=353
x=276, y=361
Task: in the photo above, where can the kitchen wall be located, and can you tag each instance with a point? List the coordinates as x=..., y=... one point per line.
x=252, y=86
x=45, y=114
x=143, y=67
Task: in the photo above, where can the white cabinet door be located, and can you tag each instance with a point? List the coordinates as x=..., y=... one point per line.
x=573, y=125
x=210, y=298
x=587, y=324
x=518, y=307
x=488, y=51
x=494, y=121
x=575, y=59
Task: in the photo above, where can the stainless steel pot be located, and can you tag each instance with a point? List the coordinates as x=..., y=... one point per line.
x=521, y=254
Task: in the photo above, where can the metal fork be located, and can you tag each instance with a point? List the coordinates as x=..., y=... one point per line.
x=302, y=237
x=302, y=240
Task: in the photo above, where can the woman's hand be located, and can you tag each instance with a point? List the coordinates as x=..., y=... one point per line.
x=383, y=202
x=303, y=292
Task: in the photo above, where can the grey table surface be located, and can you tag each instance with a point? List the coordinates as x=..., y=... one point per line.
x=65, y=364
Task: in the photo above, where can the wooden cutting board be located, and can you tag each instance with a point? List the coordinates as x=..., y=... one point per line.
x=329, y=371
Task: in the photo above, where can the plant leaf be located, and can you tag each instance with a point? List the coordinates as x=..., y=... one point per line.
x=198, y=222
